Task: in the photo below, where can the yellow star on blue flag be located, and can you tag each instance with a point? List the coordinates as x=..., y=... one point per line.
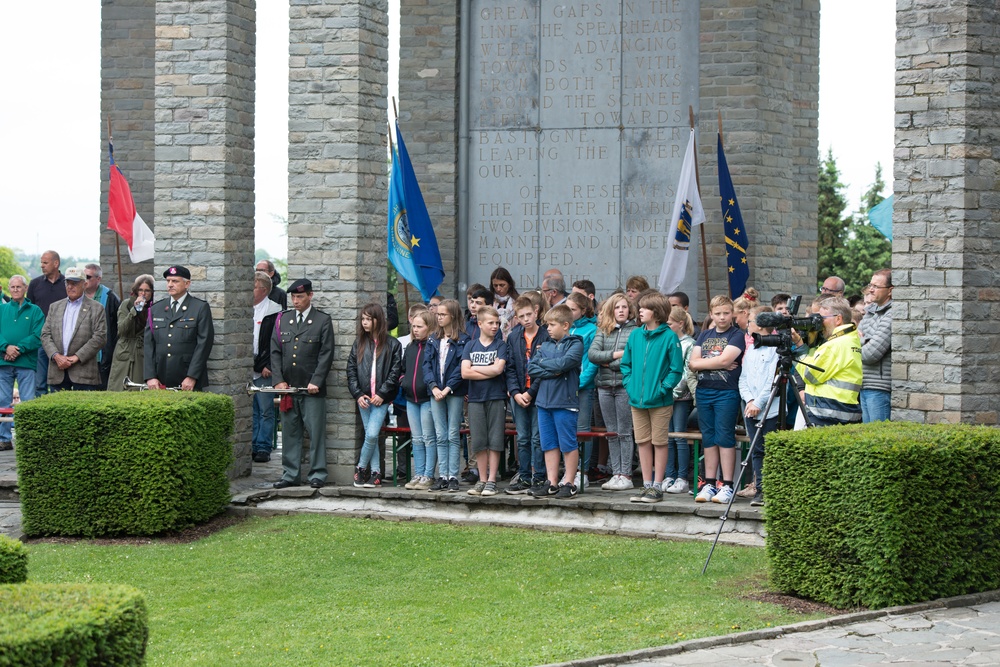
x=736, y=252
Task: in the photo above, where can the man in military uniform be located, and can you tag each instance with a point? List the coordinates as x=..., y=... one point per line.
x=179, y=337
x=301, y=356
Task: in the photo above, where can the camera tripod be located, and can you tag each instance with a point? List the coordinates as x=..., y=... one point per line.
x=779, y=388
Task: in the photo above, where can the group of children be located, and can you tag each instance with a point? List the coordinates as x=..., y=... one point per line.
x=545, y=365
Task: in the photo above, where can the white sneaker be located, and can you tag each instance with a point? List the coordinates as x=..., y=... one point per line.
x=586, y=482
x=680, y=485
x=667, y=481
x=624, y=483
x=706, y=495
x=724, y=495
x=610, y=484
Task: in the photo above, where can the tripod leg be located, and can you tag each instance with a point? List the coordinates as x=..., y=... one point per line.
x=776, y=388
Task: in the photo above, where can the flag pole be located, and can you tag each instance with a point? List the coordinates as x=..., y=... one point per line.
x=118, y=250
x=704, y=246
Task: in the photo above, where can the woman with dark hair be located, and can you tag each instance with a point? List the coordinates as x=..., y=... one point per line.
x=373, y=371
x=504, y=296
x=132, y=318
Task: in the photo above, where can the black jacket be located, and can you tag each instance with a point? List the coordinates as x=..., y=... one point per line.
x=388, y=370
x=262, y=359
x=515, y=370
x=413, y=385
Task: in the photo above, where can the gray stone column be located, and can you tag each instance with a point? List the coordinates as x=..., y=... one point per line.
x=127, y=53
x=204, y=203
x=337, y=179
x=946, y=311
x=759, y=66
x=428, y=115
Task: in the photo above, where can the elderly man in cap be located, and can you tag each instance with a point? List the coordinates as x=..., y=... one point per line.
x=179, y=337
x=74, y=332
x=301, y=356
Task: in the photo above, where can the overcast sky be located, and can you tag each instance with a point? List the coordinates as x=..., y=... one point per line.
x=50, y=121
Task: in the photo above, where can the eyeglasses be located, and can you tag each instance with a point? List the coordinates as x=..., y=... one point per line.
x=826, y=317
x=89, y=277
x=827, y=290
x=873, y=286
x=14, y=287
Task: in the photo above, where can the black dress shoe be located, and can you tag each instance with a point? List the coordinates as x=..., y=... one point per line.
x=284, y=484
x=261, y=457
x=316, y=484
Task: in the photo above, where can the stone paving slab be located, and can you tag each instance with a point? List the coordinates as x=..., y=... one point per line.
x=941, y=633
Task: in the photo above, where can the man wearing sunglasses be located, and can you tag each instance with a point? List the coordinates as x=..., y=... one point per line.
x=876, y=352
x=832, y=394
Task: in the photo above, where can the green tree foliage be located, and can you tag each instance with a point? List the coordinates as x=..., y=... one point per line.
x=848, y=246
x=9, y=266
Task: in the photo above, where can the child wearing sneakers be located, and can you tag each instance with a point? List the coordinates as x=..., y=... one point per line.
x=679, y=449
x=759, y=366
x=483, y=362
x=418, y=402
x=651, y=367
x=443, y=377
x=556, y=370
x=717, y=357
x=523, y=343
x=373, y=369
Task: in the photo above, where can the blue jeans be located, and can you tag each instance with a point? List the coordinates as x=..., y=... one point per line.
x=447, y=416
x=876, y=405
x=717, y=412
x=679, y=449
x=25, y=385
x=583, y=422
x=373, y=417
x=263, y=418
x=42, y=373
x=422, y=439
x=529, y=443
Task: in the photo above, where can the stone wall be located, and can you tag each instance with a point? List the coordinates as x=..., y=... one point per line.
x=946, y=309
x=127, y=56
x=203, y=186
x=337, y=180
x=758, y=66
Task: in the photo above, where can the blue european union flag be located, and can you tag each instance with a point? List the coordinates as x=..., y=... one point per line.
x=737, y=239
x=412, y=246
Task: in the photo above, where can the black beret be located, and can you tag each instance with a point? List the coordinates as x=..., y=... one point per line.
x=301, y=286
x=179, y=271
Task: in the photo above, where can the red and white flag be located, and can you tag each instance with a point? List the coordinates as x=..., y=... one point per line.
x=124, y=219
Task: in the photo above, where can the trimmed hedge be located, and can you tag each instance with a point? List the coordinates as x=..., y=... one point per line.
x=72, y=624
x=13, y=561
x=122, y=463
x=883, y=514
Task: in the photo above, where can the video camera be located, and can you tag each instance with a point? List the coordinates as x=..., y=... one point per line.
x=783, y=324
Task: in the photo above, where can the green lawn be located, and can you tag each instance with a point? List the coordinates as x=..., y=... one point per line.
x=319, y=590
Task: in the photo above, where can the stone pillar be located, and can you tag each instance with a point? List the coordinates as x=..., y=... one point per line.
x=337, y=179
x=760, y=68
x=127, y=53
x=946, y=309
x=428, y=116
x=204, y=202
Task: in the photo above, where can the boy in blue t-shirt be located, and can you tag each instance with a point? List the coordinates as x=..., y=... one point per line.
x=483, y=362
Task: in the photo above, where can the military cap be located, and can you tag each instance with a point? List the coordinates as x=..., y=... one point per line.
x=301, y=286
x=177, y=271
